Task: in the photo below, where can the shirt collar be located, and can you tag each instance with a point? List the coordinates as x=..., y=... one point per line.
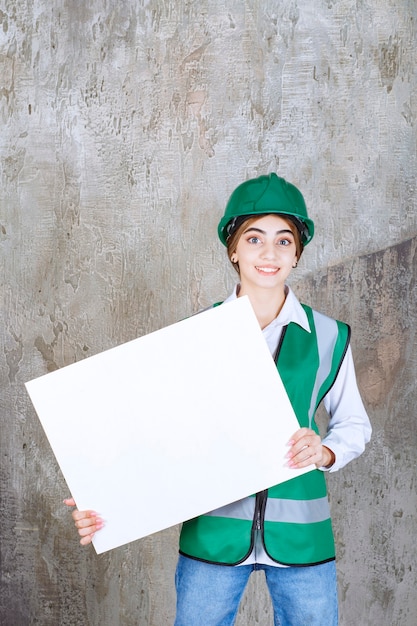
x=292, y=311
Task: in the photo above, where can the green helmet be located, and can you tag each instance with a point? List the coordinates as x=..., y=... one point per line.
x=264, y=195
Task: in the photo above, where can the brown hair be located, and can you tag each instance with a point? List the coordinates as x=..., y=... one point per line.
x=236, y=235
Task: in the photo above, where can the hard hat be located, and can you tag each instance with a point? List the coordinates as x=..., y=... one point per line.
x=264, y=195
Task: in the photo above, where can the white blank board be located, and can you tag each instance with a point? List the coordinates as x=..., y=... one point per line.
x=171, y=425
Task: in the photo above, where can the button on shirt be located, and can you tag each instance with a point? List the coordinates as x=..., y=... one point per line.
x=349, y=428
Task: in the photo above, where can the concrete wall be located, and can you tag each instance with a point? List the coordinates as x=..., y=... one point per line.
x=125, y=125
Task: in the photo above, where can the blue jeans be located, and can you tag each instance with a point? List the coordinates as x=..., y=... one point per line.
x=209, y=595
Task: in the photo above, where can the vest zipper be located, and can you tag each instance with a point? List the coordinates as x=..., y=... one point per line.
x=279, y=346
x=260, y=505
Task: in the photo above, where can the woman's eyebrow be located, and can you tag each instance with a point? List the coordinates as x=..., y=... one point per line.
x=263, y=232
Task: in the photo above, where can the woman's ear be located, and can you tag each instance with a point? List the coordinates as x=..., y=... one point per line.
x=294, y=265
x=233, y=258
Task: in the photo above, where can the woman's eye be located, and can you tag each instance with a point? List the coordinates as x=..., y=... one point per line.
x=284, y=242
x=253, y=240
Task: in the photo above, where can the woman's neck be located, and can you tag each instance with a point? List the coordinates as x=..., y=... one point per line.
x=266, y=304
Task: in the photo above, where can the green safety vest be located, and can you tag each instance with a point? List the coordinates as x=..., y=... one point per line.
x=293, y=517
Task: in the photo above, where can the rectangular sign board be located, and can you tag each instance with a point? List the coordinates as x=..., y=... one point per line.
x=171, y=425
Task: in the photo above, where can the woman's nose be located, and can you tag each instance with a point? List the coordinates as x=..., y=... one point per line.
x=268, y=251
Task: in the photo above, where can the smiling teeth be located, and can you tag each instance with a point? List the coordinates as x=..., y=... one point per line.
x=267, y=269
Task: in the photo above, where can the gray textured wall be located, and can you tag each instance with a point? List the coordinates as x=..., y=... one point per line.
x=124, y=127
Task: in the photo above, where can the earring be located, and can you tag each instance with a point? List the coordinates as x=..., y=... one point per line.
x=233, y=259
x=295, y=264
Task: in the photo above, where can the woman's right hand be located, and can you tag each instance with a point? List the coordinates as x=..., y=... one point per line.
x=87, y=522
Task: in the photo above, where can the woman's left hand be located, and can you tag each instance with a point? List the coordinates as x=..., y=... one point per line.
x=306, y=449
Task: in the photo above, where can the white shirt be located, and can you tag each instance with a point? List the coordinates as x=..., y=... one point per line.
x=349, y=428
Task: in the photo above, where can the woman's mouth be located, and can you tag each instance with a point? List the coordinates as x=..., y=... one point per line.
x=268, y=271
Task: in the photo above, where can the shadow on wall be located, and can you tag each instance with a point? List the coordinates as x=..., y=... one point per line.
x=374, y=499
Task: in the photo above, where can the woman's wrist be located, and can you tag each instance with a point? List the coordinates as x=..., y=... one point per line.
x=329, y=457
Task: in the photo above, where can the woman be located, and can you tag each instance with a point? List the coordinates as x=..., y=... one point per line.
x=286, y=530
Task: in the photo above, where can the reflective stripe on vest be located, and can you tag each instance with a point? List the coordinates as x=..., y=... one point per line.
x=278, y=510
x=241, y=509
x=326, y=330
